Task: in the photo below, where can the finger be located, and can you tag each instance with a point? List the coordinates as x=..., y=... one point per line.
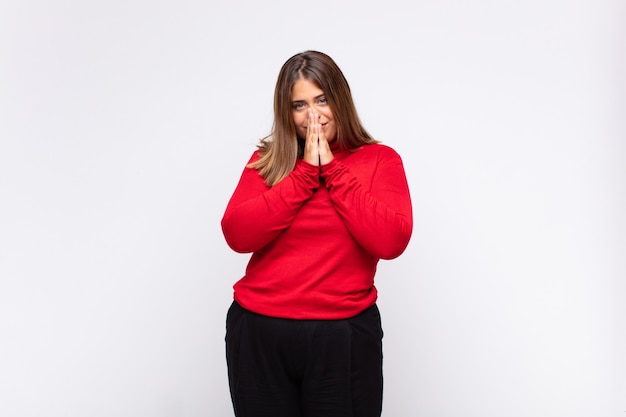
x=311, y=125
x=321, y=134
x=311, y=147
x=312, y=130
x=326, y=155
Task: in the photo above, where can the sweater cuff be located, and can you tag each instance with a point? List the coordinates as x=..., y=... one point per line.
x=308, y=172
x=330, y=168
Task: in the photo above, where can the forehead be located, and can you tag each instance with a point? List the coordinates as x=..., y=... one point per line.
x=305, y=89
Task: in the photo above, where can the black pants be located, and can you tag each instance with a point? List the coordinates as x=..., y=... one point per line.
x=304, y=368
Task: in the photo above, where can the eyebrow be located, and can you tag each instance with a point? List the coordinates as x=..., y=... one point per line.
x=314, y=98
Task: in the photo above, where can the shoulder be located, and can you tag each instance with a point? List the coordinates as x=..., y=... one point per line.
x=379, y=150
x=256, y=155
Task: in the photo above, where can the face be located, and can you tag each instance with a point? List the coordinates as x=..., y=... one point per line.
x=306, y=95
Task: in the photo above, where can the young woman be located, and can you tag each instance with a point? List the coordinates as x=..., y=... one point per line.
x=319, y=203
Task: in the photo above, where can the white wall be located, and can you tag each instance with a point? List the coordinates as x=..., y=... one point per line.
x=124, y=126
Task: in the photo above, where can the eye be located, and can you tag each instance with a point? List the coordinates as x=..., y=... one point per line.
x=297, y=106
x=322, y=100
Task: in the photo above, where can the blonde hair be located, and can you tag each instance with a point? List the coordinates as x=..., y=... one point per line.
x=280, y=150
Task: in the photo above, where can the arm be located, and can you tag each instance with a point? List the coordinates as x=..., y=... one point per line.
x=256, y=213
x=380, y=218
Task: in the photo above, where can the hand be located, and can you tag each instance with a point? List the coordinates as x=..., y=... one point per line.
x=316, y=148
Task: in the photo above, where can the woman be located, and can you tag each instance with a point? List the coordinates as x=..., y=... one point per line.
x=318, y=204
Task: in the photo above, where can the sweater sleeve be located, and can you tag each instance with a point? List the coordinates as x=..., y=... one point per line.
x=380, y=219
x=257, y=213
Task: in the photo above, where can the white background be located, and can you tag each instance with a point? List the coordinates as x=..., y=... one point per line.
x=124, y=126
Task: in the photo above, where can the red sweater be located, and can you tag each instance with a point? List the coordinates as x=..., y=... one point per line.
x=317, y=236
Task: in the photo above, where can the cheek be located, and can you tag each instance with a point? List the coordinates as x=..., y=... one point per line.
x=298, y=119
x=326, y=111
x=299, y=123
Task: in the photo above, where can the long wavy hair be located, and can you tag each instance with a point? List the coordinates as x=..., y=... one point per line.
x=280, y=150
